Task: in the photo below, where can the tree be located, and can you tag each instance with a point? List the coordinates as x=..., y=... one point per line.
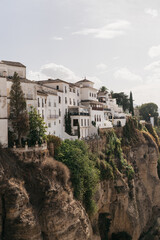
x=84, y=174
x=131, y=110
x=18, y=112
x=37, y=128
x=122, y=100
x=78, y=129
x=148, y=110
x=68, y=127
x=103, y=89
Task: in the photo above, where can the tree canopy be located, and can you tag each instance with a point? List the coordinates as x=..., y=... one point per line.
x=103, y=89
x=84, y=174
x=148, y=110
x=18, y=112
x=37, y=128
x=122, y=100
x=131, y=109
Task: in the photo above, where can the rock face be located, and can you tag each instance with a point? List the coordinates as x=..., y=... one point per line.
x=130, y=208
x=36, y=200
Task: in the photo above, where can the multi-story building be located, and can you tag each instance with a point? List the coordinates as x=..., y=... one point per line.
x=89, y=109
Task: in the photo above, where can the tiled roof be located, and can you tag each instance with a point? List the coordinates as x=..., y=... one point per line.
x=84, y=80
x=10, y=63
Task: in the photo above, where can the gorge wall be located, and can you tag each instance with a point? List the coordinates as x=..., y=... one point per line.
x=37, y=203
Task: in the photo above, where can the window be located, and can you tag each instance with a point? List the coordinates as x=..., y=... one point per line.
x=54, y=122
x=49, y=125
x=77, y=93
x=77, y=103
x=57, y=87
x=75, y=122
x=49, y=103
x=74, y=102
x=59, y=99
x=54, y=104
x=70, y=101
x=74, y=90
x=65, y=100
x=90, y=94
x=59, y=112
x=82, y=122
x=42, y=103
x=59, y=121
x=45, y=101
x=38, y=103
x=65, y=89
x=88, y=122
x=70, y=89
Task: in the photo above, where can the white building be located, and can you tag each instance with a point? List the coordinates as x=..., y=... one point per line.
x=88, y=108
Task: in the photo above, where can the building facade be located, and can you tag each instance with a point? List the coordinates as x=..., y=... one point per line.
x=89, y=109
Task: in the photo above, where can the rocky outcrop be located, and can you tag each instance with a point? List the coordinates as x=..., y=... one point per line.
x=36, y=201
x=129, y=207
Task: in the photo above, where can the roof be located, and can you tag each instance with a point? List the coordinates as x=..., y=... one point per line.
x=84, y=80
x=100, y=93
x=10, y=63
x=22, y=80
x=52, y=81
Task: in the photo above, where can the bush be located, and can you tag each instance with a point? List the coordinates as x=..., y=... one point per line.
x=84, y=174
x=55, y=140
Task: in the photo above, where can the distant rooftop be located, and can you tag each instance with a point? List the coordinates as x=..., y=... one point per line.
x=84, y=80
x=10, y=63
x=52, y=81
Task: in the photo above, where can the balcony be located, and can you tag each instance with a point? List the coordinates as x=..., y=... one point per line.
x=53, y=116
x=97, y=108
x=79, y=114
x=29, y=96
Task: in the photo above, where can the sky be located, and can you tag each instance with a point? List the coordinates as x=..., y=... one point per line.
x=115, y=43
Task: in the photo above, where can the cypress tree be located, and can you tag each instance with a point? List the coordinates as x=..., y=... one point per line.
x=131, y=110
x=18, y=112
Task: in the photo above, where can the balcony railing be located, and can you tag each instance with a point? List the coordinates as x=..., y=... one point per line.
x=97, y=108
x=52, y=116
x=79, y=114
x=29, y=96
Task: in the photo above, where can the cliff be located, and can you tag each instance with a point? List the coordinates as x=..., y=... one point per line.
x=37, y=203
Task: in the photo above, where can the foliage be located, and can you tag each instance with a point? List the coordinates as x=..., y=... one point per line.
x=131, y=109
x=121, y=236
x=18, y=112
x=94, y=123
x=11, y=138
x=152, y=131
x=68, y=128
x=78, y=129
x=148, y=110
x=122, y=100
x=55, y=140
x=84, y=174
x=37, y=128
x=130, y=131
x=103, y=89
x=114, y=151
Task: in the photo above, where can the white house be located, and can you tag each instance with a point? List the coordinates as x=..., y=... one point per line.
x=89, y=108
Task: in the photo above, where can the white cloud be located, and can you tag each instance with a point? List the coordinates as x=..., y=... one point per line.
x=101, y=66
x=57, y=38
x=154, y=72
x=155, y=66
x=154, y=51
x=108, y=31
x=152, y=12
x=126, y=74
x=54, y=71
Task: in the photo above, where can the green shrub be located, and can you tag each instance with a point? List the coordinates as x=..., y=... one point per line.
x=55, y=140
x=84, y=174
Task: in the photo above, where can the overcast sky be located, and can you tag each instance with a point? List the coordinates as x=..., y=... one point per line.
x=115, y=43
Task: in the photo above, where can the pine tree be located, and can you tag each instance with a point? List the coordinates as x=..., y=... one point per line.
x=78, y=130
x=18, y=112
x=131, y=110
